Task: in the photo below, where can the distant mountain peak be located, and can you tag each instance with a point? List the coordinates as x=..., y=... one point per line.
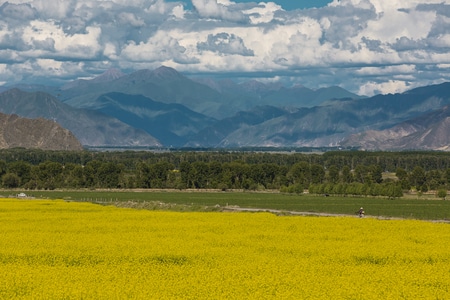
x=166, y=72
x=109, y=75
x=161, y=73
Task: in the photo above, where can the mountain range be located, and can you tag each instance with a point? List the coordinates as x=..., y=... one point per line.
x=163, y=108
x=90, y=127
x=430, y=131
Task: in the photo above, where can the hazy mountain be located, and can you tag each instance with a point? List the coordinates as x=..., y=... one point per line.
x=172, y=124
x=328, y=125
x=90, y=127
x=163, y=85
x=53, y=90
x=255, y=93
x=300, y=96
x=213, y=136
x=178, y=111
x=39, y=133
x=108, y=76
x=429, y=131
x=216, y=99
x=310, y=127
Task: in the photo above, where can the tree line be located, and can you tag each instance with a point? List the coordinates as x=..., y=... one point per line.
x=388, y=161
x=342, y=173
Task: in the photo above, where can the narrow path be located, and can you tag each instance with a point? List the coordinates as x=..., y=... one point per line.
x=300, y=213
x=304, y=213
x=156, y=205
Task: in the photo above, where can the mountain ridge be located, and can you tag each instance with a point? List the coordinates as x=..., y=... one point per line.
x=427, y=132
x=171, y=123
x=226, y=114
x=38, y=133
x=90, y=127
x=329, y=125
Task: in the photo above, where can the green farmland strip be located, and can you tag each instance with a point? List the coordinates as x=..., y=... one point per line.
x=422, y=209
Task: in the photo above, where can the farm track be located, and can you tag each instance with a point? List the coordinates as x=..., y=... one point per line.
x=156, y=205
x=303, y=213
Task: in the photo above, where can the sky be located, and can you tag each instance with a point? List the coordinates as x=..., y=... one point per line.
x=285, y=4
x=365, y=46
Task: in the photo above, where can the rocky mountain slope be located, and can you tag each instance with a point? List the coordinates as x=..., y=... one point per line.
x=430, y=131
x=91, y=128
x=39, y=133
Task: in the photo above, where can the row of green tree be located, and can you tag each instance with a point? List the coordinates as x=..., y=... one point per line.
x=387, y=161
x=252, y=174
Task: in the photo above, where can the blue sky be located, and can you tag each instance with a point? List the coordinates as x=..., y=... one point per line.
x=365, y=46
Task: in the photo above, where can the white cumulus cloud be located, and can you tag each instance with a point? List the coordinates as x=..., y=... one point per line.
x=366, y=46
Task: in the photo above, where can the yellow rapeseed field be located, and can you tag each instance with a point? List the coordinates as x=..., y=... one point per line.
x=67, y=250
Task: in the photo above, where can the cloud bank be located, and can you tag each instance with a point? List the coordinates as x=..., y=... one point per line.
x=366, y=46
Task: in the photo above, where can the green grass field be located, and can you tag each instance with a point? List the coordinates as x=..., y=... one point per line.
x=410, y=208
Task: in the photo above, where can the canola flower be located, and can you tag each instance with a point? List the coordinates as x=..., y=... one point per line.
x=52, y=249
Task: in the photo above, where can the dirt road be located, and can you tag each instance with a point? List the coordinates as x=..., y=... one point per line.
x=303, y=213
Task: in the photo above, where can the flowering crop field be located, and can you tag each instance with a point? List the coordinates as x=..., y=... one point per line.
x=54, y=249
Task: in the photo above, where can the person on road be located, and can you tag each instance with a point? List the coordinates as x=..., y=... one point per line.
x=361, y=212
